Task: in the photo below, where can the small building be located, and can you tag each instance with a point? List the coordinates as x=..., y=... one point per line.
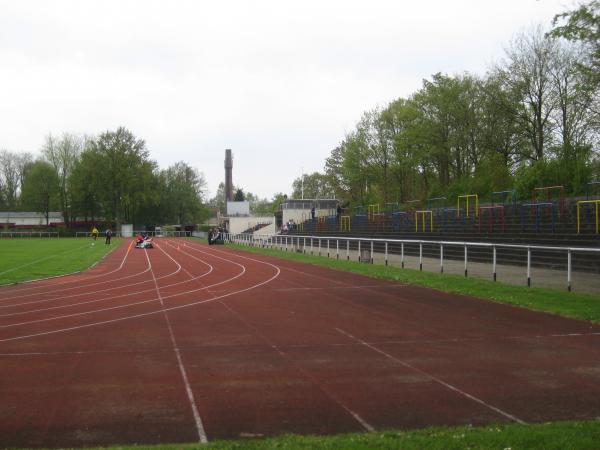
x=299, y=210
x=240, y=220
x=13, y=219
x=238, y=208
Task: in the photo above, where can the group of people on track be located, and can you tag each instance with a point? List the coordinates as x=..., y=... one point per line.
x=143, y=240
x=216, y=236
x=107, y=233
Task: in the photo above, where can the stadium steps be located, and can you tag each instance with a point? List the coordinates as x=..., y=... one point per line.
x=520, y=228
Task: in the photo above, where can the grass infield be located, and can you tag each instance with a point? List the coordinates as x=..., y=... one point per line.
x=583, y=435
x=569, y=304
x=32, y=259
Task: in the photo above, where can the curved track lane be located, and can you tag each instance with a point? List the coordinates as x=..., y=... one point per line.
x=187, y=343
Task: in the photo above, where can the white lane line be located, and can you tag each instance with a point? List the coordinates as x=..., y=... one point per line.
x=57, y=296
x=300, y=369
x=431, y=377
x=126, y=305
x=315, y=346
x=355, y=415
x=486, y=338
x=80, y=283
x=135, y=316
x=199, y=426
x=331, y=288
x=97, y=292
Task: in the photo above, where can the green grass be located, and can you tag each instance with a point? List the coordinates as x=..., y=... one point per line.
x=568, y=304
x=31, y=259
x=549, y=436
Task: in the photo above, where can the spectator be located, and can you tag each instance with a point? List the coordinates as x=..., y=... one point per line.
x=108, y=233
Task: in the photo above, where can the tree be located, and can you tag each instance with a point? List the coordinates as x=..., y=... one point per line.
x=218, y=201
x=85, y=185
x=239, y=195
x=41, y=188
x=9, y=178
x=528, y=74
x=22, y=161
x=124, y=169
x=183, y=190
x=316, y=185
x=582, y=25
x=63, y=154
x=574, y=118
x=401, y=123
x=277, y=200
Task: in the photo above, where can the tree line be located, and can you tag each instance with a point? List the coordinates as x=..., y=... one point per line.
x=109, y=177
x=532, y=120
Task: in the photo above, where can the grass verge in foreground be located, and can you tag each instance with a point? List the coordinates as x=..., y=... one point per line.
x=31, y=259
x=582, y=435
x=568, y=304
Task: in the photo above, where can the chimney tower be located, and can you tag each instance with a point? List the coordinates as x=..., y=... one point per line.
x=228, y=180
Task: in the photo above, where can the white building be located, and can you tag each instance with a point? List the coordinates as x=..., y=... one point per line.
x=12, y=219
x=300, y=210
x=239, y=220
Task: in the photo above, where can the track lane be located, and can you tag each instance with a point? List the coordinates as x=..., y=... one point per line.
x=259, y=349
x=145, y=303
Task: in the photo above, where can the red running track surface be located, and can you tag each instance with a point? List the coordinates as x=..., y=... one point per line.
x=187, y=343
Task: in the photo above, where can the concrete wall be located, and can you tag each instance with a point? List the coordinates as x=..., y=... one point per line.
x=126, y=230
x=300, y=215
x=269, y=230
x=238, y=208
x=239, y=224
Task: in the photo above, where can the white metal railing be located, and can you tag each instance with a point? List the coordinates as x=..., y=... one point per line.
x=29, y=234
x=88, y=234
x=283, y=242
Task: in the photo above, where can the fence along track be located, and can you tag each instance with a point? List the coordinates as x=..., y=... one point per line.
x=368, y=250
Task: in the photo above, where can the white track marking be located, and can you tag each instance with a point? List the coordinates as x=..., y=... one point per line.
x=95, y=292
x=172, y=308
x=338, y=344
x=58, y=296
x=300, y=369
x=80, y=282
x=199, y=426
x=126, y=305
x=332, y=288
x=105, y=298
x=214, y=256
x=431, y=377
x=83, y=286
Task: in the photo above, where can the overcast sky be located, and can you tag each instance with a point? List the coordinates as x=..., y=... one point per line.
x=278, y=82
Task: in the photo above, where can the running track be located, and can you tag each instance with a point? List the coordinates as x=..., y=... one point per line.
x=188, y=343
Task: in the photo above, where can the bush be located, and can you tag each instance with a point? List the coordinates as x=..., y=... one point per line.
x=573, y=174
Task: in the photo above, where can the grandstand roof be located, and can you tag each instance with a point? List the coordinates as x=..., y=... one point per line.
x=308, y=203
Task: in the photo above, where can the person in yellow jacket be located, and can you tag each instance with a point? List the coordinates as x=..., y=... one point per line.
x=94, y=233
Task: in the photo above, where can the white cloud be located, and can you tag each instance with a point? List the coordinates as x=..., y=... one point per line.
x=278, y=82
